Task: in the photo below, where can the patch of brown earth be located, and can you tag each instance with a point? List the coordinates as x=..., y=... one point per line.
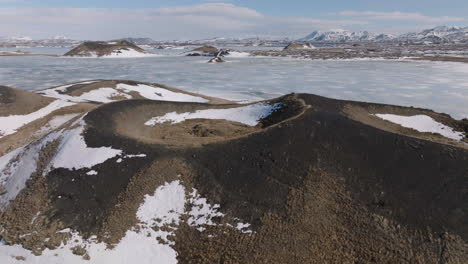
x=19, y=102
x=194, y=132
x=367, y=115
x=130, y=122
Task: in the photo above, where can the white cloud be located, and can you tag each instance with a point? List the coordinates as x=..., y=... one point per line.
x=399, y=16
x=180, y=22
x=188, y=22
x=212, y=9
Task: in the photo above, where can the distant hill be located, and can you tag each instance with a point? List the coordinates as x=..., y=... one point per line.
x=341, y=35
x=433, y=35
x=438, y=34
x=117, y=48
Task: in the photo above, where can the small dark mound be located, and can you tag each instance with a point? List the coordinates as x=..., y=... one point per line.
x=298, y=46
x=102, y=48
x=207, y=49
x=6, y=95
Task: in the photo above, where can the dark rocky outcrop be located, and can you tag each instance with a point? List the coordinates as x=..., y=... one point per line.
x=103, y=48
x=299, y=46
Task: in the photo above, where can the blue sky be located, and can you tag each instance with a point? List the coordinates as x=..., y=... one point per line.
x=184, y=19
x=273, y=7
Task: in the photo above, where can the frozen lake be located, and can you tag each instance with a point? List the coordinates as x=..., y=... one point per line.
x=439, y=86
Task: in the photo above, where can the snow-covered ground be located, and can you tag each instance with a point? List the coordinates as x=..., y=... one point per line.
x=423, y=123
x=237, y=54
x=117, y=53
x=17, y=166
x=128, y=53
x=10, y=124
x=73, y=153
x=106, y=94
x=249, y=115
x=55, y=123
x=155, y=93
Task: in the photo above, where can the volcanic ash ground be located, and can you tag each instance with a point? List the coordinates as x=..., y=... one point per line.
x=107, y=171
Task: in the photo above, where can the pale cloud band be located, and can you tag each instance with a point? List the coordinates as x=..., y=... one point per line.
x=186, y=22
x=399, y=16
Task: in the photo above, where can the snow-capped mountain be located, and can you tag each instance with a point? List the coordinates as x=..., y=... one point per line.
x=56, y=41
x=438, y=34
x=434, y=35
x=17, y=39
x=340, y=35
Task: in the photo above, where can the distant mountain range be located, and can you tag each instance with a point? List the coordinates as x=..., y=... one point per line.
x=340, y=35
x=435, y=35
x=438, y=34
x=442, y=34
x=57, y=41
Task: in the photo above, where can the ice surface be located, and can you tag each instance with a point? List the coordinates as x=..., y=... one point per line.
x=423, y=123
x=410, y=83
x=249, y=115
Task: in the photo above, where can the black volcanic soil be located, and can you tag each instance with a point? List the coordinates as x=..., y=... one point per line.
x=318, y=185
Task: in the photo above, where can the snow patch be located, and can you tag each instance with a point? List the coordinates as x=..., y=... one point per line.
x=106, y=94
x=237, y=54
x=162, y=209
x=10, y=124
x=135, y=156
x=249, y=115
x=156, y=93
x=127, y=53
x=423, y=123
x=202, y=213
x=92, y=172
x=101, y=95
x=55, y=123
x=17, y=166
x=73, y=153
x=167, y=203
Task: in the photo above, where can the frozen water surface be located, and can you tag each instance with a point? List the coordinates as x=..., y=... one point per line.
x=441, y=86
